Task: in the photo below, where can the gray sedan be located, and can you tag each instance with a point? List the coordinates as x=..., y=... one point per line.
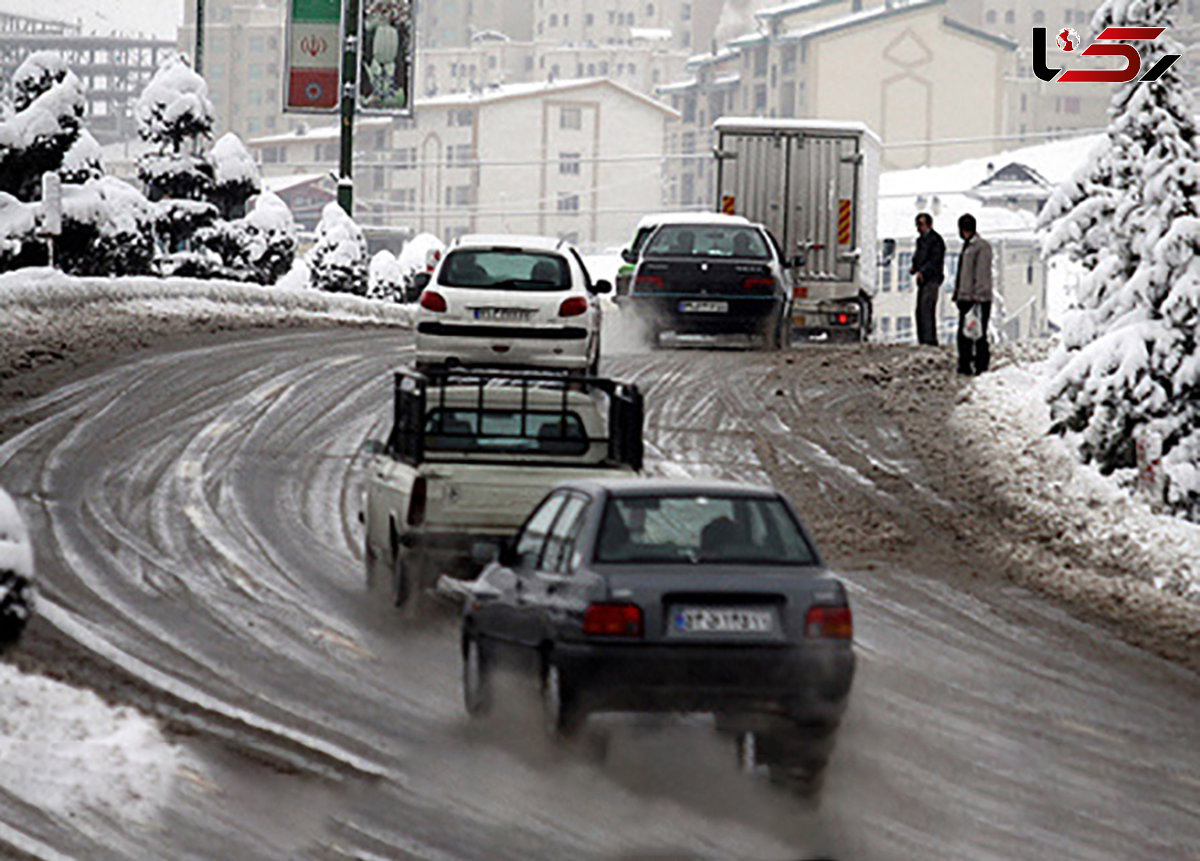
x=664, y=596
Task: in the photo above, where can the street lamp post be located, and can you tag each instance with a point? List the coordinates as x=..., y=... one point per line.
x=199, y=37
x=345, y=191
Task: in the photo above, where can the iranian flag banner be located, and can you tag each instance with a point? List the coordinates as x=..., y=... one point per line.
x=314, y=54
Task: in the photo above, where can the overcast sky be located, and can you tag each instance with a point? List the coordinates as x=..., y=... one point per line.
x=152, y=17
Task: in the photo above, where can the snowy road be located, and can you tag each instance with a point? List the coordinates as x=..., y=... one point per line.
x=202, y=509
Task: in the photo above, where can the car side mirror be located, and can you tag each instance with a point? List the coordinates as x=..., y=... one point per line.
x=602, y=286
x=887, y=252
x=629, y=255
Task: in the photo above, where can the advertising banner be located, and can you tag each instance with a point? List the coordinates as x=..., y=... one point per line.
x=385, y=72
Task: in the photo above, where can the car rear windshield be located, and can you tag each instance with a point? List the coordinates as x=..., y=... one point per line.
x=501, y=432
x=505, y=269
x=702, y=240
x=694, y=529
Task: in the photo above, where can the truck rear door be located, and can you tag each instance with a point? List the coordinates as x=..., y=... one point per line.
x=823, y=176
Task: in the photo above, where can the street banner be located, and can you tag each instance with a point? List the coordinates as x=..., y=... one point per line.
x=314, y=56
x=385, y=73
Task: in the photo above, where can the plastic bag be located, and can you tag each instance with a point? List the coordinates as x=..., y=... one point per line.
x=973, y=324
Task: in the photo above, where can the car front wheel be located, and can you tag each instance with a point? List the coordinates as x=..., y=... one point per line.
x=476, y=679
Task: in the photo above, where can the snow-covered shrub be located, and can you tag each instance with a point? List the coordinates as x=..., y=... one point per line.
x=235, y=176
x=83, y=161
x=1128, y=371
x=108, y=229
x=19, y=244
x=177, y=220
x=338, y=262
x=385, y=278
x=260, y=247
x=37, y=73
x=35, y=140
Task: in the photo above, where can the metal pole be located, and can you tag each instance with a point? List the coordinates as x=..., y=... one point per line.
x=345, y=190
x=199, y=37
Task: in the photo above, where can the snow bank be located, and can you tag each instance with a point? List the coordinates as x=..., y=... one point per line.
x=31, y=296
x=1103, y=518
x=16, y=553
x=418, y=254
x=66, y=751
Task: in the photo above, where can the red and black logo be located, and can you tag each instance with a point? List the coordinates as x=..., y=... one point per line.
x=1110, y=43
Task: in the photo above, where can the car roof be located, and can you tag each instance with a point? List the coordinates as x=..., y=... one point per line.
x=657, y=218
x=525, y=242
x=670, y=487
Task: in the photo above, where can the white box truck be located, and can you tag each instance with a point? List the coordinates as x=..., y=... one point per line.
x=815, y=185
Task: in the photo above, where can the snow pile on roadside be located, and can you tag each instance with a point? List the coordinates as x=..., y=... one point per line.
x=1006, y=417
x=67, y=751
x=30, y=294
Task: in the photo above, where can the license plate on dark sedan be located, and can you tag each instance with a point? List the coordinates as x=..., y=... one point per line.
x=693, y=306
x=723, y=620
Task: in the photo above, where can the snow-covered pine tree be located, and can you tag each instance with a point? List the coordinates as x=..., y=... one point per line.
x=50, y=103
x=338, y=262
x=83, y=161
x=235, y=176
x=1128, y=370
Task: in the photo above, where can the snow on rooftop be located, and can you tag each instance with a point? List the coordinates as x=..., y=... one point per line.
x=279, y=184
x=321, y=133
x=651, y=34
x=943, y=190
x=857, y=18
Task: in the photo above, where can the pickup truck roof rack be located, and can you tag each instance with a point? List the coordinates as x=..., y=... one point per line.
x=419, y=393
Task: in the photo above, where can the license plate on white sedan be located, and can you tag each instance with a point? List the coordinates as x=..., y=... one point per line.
x=723, y=620
x=693, y=306
x=506, y=314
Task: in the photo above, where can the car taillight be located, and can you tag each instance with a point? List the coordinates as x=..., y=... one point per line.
x=758, y=282
x=649, y=282
x=416, y=502
x=573, y=307
x=613, y=620
x=800, y=293
x=843, y=319
x=432, y=301
x=829, y=623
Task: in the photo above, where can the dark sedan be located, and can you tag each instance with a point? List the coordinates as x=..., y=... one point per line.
x=713, y=279
x=664, y=596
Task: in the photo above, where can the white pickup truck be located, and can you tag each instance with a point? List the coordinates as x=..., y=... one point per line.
x=469, y=455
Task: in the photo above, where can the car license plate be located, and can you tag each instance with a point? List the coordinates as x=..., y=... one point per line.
x=706, y=620
x=692, y=306
x=519, y=314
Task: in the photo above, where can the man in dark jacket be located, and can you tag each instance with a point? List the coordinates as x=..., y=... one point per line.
x=928, y=265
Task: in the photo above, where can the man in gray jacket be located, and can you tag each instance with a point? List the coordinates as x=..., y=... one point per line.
x=973, y=287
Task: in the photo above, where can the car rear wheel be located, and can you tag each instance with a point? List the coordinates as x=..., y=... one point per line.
x=476, y=679
x=406, y=579
x=561, y=715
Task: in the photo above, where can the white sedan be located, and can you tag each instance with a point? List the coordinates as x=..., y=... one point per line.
x=523, y=301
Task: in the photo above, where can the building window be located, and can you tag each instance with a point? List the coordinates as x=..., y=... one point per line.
x=1039, y=17
x=649, y=10
x=885, y=279
x=253, y=125
x=1010, y=17
x=760, y=98
x=553, y=19
x=460, y=118
x=1029, y=274
x=270, y=155
x=406, y=199
x=257, y=45
x=760, y=61
x=566, y=19
x=885, y=328
x=569, y=163
x=904, y=329
x=687, y=144
x=903, y=264
x=256, y=70
x=589, y=19
x=458, y=195
x=570, y=118
x=459, y=155
x=991, y=16
x=568, y=201
x=789, y=59
x=685, y=11
x=689, y=109
x=1071, y=105
x=1024, y=102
